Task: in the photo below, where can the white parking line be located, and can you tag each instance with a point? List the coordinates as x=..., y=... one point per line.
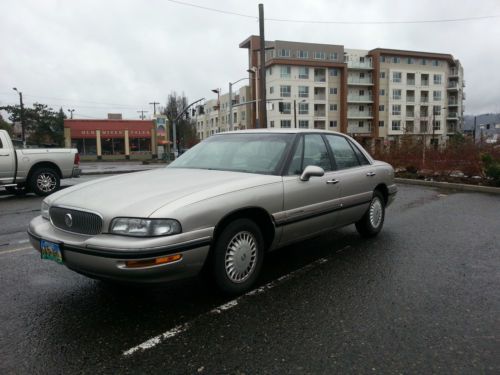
x=16, y=250
x=148, y=344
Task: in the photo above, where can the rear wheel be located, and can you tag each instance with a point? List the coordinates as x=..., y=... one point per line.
x=238, y=256
x=44, y=181
x=372, y=221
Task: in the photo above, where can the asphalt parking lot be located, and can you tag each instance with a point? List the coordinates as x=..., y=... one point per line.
x=423, y=297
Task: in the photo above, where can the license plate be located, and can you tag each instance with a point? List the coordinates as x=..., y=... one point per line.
x=51, y=251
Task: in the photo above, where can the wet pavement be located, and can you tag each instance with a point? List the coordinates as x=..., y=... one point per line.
x=422, y=297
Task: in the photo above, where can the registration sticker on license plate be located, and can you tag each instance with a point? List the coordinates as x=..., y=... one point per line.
x=51, y=251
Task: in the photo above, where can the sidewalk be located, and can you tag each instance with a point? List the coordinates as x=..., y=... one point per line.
x=93, y=168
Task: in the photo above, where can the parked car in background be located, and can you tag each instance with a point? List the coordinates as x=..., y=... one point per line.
x=39, y=170
x=221, y=205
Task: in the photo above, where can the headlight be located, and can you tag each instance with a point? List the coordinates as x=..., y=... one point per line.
x=144, y=227
x=45, y=210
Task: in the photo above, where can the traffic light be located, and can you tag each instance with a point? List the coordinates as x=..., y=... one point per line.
x=187, y=115
x=193, y=112
x=280, y=106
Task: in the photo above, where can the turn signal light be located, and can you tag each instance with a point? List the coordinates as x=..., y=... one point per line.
x=153, y=262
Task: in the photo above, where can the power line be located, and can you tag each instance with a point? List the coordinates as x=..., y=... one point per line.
x=462, y=19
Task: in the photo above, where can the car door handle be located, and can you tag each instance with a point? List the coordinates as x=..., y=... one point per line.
x=4, y=154
x=371, y=174
x=332, y=181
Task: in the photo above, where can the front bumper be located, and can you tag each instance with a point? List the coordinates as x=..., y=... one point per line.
x=392, y=190
x=104, y=256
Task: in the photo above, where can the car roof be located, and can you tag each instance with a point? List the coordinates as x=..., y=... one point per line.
x=279, y=131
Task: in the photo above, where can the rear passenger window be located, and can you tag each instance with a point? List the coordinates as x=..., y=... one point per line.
x=361, y=157
x=342, y=152
x=310, y=150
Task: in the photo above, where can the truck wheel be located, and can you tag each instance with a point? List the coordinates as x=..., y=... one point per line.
x=17, y=190
x=44, y=181
x=238, y=256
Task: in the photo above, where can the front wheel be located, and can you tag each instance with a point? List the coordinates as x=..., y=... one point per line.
x=238, y=256
x=44, y=181
x=372, y=221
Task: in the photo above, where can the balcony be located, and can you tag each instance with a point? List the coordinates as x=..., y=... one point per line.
x=453, y=102
x=410, y=99
x=359, y=114
x=410, y=114
x=453, y=72
x=424, y=99
x=319, y=75
x=453, y=86
x=360, y=65
x=410, y=82
x=452, y=116
x=319, y=113
x=451, y=128
x=320, y=97
x=359, y=81
x=360, y=98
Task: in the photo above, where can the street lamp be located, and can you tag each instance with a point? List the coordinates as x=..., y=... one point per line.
x=295, y=111
x=23, y=136
x=71, y=113
x=231, y=101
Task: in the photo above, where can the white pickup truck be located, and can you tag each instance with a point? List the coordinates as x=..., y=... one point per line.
x=39, y=170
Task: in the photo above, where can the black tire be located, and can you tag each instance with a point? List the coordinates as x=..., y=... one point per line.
x=246, y=262
x=44, y=181
x=17, y=190
x=373, y=220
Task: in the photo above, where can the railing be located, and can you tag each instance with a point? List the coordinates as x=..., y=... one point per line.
x=453, y=85
x=359, y=98
x=320, y=97
x=410, y=99
x=424, y=99
x=319, y=78
x=424, y=83
x=410, y=82
x=410, y=114
x=452, y=115
x=451, y=128
x=360, y=81
x=360, y=114
x=319, y=113
x=360, y=65
x=452, y=102
x=453, y=72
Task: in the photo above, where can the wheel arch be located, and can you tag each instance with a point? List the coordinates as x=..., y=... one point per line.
x=44, y=164
x=382, y=188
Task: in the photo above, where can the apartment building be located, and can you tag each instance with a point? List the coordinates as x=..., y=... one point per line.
x=213, y=116
x=378, y=96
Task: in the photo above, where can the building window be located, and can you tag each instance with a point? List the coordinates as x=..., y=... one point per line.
x=304, y=124
x=113, y=146
x=382, y=58
x=380, y=124
x=396, y=110
x=243, y=116
x=333, y=56
x=396, y=94
x=436, y=95
x=320, y=55
x=285, y=91
x=286, y=108
x=333, y=72
x=284, y=52
x=436, y=110
x=424, y=61
x=361, y=124
x=361, y=108
x=303, y=108
x=286, y=123
x=271, y=124
x=396, y=76
x=396, y=60
x=437, y=125
x=381, y=108
x=333, y=107
x=410, y=60
x=435, y=62
x=437, y=79
x=285, y=71
x=303, y=91
x=302, y=54
x=396, y=125
x=382, y=92
x=382, y=75
x=271, y=90
x=303, y=72
x=333, y=91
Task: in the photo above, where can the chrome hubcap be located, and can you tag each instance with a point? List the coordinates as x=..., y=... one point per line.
x=376, y=211
x=241, y=257
x=46, y=182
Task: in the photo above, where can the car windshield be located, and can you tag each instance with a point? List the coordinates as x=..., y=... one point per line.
x=251, y=153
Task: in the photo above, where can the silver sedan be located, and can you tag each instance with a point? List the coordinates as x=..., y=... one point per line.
x=220, y=206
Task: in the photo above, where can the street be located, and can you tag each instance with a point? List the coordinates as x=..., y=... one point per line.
x=422, y=297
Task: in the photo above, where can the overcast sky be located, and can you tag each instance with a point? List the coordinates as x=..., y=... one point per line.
x=100, y=56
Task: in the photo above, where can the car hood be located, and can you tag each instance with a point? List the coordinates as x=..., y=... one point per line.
x=141, y=194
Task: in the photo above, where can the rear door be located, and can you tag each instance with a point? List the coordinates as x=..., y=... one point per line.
x=356, y=178
x=308, y=205
x=7, y=155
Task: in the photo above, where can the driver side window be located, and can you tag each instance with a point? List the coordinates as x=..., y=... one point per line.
x=311, y=150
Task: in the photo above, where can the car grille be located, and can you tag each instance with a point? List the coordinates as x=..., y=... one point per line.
x=81, y=222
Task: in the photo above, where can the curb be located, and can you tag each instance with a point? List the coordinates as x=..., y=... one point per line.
x=450, y=185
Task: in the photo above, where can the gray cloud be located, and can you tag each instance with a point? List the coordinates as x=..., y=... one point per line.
x=89, y=55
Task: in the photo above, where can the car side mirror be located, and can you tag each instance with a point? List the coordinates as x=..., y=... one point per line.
x=312, y=171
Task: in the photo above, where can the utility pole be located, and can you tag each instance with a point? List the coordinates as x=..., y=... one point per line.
x=294, y=113
x=71, y=113
x=262, y=86
x=154, y=106
x=142, y=111
x=23, y=127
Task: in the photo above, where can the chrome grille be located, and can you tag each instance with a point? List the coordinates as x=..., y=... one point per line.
x=81, y=222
